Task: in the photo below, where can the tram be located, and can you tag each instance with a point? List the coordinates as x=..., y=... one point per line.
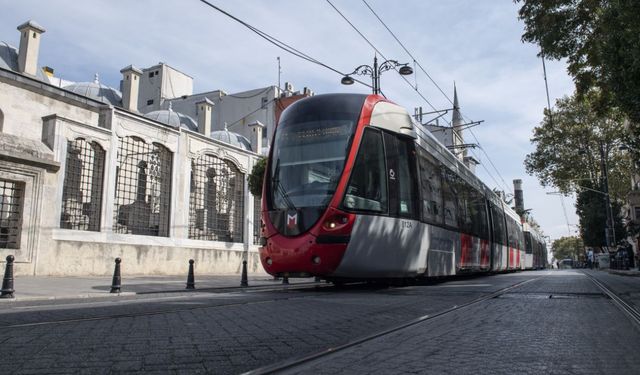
x=535, y=248
x=354, y=189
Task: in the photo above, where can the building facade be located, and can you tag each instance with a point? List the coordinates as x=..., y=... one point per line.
x=89, y=173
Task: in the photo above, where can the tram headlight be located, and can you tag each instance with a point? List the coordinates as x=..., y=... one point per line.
x=269, y=261
x=315, y=259
x=336, y=221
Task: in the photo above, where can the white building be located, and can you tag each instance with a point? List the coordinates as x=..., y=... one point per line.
x=88, y=173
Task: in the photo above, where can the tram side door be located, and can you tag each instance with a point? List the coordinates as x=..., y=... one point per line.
x=403, y=194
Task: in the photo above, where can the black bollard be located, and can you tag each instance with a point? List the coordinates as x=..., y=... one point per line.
x=115, y=284
x=191, y=282
x=317, y=279
x=7, y=282
x=244, y=281
x=285, y=280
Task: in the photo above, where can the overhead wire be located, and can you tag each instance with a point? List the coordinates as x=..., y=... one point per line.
x=441, y=91
x=378, y=51
x=415, y=89
x=278, y=43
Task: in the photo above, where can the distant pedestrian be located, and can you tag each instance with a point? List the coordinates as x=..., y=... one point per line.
x=630, y=255
x=590, y=258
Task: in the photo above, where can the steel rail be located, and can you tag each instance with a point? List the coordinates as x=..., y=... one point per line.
x=294, y=362
x=623, y=305
x=300, y=286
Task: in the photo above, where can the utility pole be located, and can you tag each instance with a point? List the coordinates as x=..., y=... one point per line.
x=610, y=232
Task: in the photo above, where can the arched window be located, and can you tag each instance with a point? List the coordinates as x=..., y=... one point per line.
x=11, y=202
x=143, y=188
x=82, y=189
x=216, y=204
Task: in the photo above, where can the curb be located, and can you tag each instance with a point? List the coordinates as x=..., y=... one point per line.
x=633, y=273
x=67, y=297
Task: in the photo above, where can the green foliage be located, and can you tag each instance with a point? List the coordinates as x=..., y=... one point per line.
x=599, y=39
x=568, y=142
x=256, y=177
x=567, y=247
x=591, y=209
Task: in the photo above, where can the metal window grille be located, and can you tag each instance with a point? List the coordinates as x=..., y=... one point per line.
x=11, y=201
x=216, y=204
x=143, y=188
x=257, y=220
x=82, y=189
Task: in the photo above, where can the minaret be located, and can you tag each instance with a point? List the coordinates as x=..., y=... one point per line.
x=29, y=47
x=456, y=122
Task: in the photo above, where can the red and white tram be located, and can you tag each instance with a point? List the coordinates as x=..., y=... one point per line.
x=355, y=190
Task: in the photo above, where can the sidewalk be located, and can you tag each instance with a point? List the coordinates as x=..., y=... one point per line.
x=630, y=272
x=31, y=288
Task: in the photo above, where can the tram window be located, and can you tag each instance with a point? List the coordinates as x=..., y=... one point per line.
x=465, y=215
x=450, y=198
x=367, y=189
x=406, y=179
x=529, y=243
x=431, y=187
x=499, y=229
x=520, y=234
x=479, y=214
x=514, y=233
x=401, y=176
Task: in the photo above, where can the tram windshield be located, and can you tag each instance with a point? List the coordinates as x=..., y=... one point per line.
x=309, y=153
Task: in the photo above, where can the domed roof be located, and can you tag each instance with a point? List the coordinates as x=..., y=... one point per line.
x=96, y=90
x=173, y=118
x=8, y=57
x=232, y=138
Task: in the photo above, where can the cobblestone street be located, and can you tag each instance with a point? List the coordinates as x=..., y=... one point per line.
x=521, y=331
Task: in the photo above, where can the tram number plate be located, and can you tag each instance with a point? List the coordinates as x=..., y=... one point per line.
x=406, y=224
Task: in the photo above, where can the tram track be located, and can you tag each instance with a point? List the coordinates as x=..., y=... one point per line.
x=627, y=308
x=299, y=361
x=191, y=307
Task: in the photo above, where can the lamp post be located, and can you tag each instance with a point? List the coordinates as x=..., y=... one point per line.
x=375, y=71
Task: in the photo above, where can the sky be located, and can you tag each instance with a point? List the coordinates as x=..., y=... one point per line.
x=474, y=44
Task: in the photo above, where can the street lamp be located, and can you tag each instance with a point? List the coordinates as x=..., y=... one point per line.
x=376, y=71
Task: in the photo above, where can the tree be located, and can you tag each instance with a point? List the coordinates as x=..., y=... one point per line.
x=570, y=149
x=256, y=178
x=599, y=39
x=568, y=144
x=592, y=213
x=567, y=247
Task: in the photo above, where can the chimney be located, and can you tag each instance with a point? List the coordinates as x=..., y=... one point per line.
x=29, y=47
x=518, y=196
x=256, y=136
x=130, y=87
x=204, y=108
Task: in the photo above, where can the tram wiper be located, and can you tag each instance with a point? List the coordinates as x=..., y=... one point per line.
x=275, y=180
